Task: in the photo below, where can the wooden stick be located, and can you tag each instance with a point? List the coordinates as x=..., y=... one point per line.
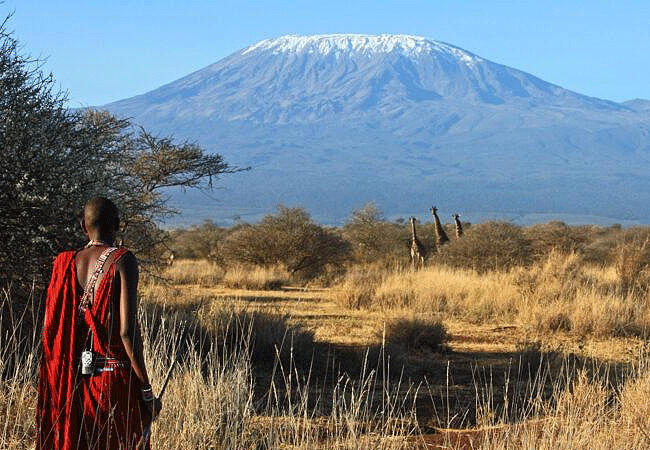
x=147, y=429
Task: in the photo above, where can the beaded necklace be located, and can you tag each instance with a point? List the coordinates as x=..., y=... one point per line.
x=89, y=290
x=98, y=243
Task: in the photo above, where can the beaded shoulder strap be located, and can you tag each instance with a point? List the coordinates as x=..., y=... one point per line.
x=89, y=290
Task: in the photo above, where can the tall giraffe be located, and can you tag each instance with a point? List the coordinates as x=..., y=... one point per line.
x=459, y=225
x=418, y=252
x=441, y=236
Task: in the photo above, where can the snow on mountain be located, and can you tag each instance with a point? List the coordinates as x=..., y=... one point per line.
x=366, y=45
x=333, y=121
x=310, y=78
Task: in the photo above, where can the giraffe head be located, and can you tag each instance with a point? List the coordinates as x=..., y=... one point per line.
x=433, y=210
x=412, y=219
x=455, y=216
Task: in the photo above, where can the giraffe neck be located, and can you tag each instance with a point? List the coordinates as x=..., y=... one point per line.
x=440, y=232
x=436, y=221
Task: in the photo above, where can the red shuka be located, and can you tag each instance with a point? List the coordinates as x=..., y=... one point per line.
x=103, y=411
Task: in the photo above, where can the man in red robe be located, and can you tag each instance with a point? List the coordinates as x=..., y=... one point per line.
x=93, y=391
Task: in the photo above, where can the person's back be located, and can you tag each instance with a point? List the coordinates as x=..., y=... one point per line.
x=94, y=391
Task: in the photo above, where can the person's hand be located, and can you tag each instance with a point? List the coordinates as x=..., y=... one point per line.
x=153, y=403
x=154, y=406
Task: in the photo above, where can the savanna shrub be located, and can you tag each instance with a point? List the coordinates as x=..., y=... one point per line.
x=289, y=238
x=555, y=235
x=488, y=246
x=417, y=334
x=198, y=241
x=374, y=239
x=600, y=243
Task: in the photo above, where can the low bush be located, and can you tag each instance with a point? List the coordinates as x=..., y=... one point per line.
x=416, y=335
x=375, y=240
x=554, y=236
x=488, y=246
x=289, y=238
x=198, y=242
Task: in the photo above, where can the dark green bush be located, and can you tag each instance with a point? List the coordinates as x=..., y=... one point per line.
x=375, y=240
x=546, y=237
x=199, y=241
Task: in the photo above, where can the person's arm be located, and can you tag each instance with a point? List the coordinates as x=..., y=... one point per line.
x=130, y=333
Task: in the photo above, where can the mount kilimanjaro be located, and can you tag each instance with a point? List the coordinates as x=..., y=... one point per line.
x=335, y=121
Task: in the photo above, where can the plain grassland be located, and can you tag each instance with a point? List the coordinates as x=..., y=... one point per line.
x=255, y=374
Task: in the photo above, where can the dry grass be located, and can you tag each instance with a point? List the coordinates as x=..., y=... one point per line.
x=416, y=334
x=560, y=294
x=210, y=398
x=588, y=415
x=19, y=364
x=217, y=398
x=193, y=271
x=357, y=290
x=633, y=266
x=256, y=277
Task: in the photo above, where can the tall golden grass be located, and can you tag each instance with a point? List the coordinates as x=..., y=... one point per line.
x=217, y=400
x=194, y=271
x=589, y=414
x=236, y=276
x=210, y=402
x=560, y=294
x=256, y=278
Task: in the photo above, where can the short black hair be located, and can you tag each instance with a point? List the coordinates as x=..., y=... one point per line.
x=101, y=213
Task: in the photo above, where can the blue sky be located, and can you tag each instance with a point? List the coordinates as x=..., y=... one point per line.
x=101, y=51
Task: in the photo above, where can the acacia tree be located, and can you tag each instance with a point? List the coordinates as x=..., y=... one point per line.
x=54, y=159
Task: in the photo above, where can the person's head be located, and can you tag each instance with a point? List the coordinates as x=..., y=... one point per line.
x=101, y=215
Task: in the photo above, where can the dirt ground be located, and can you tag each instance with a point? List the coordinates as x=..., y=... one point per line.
x=317, y=311
x=484, y=367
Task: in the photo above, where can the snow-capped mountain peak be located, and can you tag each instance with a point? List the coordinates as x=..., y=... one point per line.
x=330, y=122
x=368, y=45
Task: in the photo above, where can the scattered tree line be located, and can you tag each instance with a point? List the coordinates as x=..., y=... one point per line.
x=308, y=250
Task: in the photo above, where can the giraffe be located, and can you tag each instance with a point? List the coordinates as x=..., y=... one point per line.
x=441, y=236
x=418, y=251
x=459, y=225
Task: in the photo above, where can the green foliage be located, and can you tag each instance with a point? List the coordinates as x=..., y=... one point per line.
x=555, y=235
x=289, y=238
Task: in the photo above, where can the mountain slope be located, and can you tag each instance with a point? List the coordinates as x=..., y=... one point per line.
x=331, y=122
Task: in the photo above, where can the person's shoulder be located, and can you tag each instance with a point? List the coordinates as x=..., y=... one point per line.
x=64, y=256
x=125, y=258
x=63, y=260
